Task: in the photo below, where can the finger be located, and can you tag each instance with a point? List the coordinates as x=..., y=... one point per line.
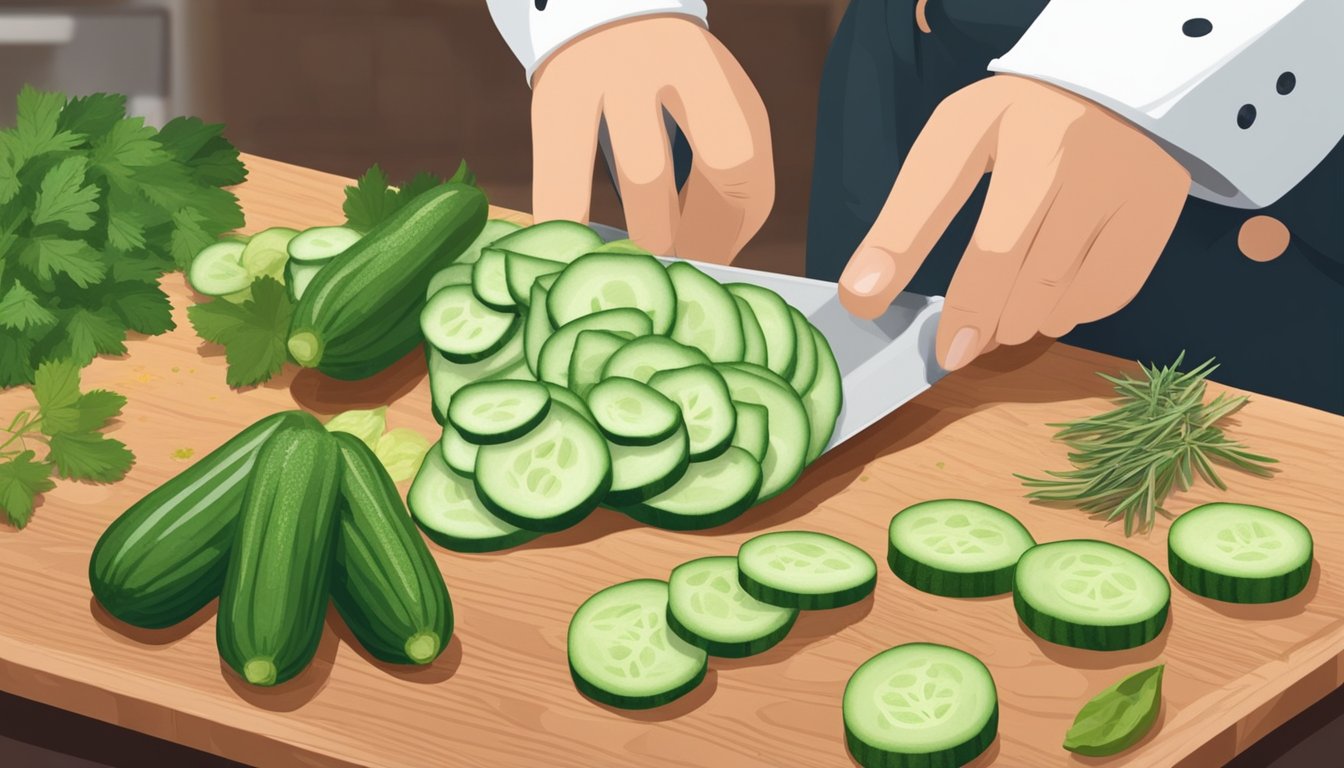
x=564, y=147
x=941, y=170
x=644, y=171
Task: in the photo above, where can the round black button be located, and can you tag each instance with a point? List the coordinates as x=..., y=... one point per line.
x=1287, y=82
x=1197, y=27
x=1246, y=116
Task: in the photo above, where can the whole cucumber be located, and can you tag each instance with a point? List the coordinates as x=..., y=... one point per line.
x=275, y=594
x=361, y=313
x=164, y=558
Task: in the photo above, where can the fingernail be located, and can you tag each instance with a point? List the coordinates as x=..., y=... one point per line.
x=871, y=266
x=963, y=348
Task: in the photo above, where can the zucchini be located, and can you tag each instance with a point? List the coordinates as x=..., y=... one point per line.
x=361, y=313
x=164, y=558
x=385, y=584
x=275, y=594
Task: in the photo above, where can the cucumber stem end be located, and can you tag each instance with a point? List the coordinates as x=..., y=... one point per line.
x=423, y=648
x=260, y=672
x=305, y=348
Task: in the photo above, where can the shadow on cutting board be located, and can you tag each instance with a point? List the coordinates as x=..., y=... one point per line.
x=126, y=633
x=321, y=394
x=810, y=627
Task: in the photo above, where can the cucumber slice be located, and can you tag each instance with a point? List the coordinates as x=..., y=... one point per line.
x=562, y=241
x=824, y=400
x=447, y=377
x=320, y=244
x=789, y=430
x=454, y=274
x=805, y=357
x=1090, y=594
x=630, y=413
x=639, y=472
x=706, y=408
x=920, y=705
x=710, y=493
x=707, y=607
x=553, y=362
x=592, y=350
x=489, y=282
x=753, y=338
x=537, y=327
x=1239, y=553
x=218, y=270
x=490, y=412
x=753, y=429
x=458, y=452
x=621, y=652
x=548, y=479
x=776, y=323
x=494, y=231
x=603, y=281
x=464, y=329
x=298, y=275
x=643, y=357
x=267, y=253
x=956, y=548
x=446, y=508
x=621, y=246
x=521, y=271
x=547, y=281
x=706, y=314
x=805, y=570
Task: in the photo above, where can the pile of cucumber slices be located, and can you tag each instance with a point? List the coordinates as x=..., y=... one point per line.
x=226, y=269
x=568, y=373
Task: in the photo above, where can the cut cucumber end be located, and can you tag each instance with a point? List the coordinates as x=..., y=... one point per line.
x=423, y=648
x=260, y=672
x=305, y=348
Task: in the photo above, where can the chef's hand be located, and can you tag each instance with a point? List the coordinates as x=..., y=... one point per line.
x=630, y=71
x=1080, y=205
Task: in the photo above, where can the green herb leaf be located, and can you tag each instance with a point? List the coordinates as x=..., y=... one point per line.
x=63, y=197
x=22, y=479
x=1118, y=717
x=75, y=259
x=92, y=115
x=89, y=456
x=89, y=333
x=422, y=182
x=464, y=174
x=128, y=145
x=37, y=130
x=97, y=407
x=56, y=386
x=253, y=333
x=20, y=310
x=370, y=202
x=142, y=306
x=203, y=148
x=16, y=364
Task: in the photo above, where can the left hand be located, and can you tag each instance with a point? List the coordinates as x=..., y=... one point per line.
x=1080, y=205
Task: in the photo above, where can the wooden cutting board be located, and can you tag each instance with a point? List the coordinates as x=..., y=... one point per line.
x=501, y=694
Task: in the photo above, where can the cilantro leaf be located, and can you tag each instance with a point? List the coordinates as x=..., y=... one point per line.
x=62, y=196
x=422, y=182
x=89, y=456
x=94, y=114
x=89, y=333
x=37, y=129
x=56, y=386
x=97, y=407
x=128, y=145
x=370, y=201
x=23, y=479
x=202, y=147
x=143, y=306
x=19, y=309
x=16, y=363
x=76, y=259
x=253, y=333
x=189, y=236
x=9, y=171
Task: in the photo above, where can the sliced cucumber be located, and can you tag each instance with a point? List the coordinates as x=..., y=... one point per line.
x=621, y=652
x=706, y=314
x=320, y=244
x=710, y=493
x=537, y=327
x=592, y=350
x=604, y=281
x=753, y=429
x=521, y=271
x=489, y=412
x=920, y=705
x=445, y=506
x=561, y=395
x=707, y=607
x=453, y=274
x=490, y=283
x=458, y=452
x=464, y=329
x=548, y=479
x=447, y=377
x=621, y=246
x=298, y=275
x=788, y=424
x=266, y=254
x=553, y=362
x=562, y=241
x=753, y=338
x=776, y=323
x=641, y=471
x=643, y=357
x=494, y=230
x=1239, y=553
x=706, y=408
x=805, y=570
x=1090, y=594
x=956, y=548
x=805, y=357
x=630, y=413
x=218, y=270
x=824, y=400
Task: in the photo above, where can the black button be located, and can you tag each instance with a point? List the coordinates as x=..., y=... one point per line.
x=1287, y=82
x=1246, y=116
x=541, y=5
x=1197, y=27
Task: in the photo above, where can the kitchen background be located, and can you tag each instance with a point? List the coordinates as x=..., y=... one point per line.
x=411, y=84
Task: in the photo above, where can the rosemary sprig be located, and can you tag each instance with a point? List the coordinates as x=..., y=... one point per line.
x=1160, y=435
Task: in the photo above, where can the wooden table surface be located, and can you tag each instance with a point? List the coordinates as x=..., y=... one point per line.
x=501, y=693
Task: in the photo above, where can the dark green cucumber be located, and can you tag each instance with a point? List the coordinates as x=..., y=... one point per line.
x=385, y=584
x=164, y=558
x=361, y=313
x=275, y=594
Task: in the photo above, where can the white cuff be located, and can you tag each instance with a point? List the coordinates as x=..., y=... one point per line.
x=534, y=29
x=1247, y=94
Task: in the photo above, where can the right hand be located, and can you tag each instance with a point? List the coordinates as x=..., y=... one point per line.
x=630, y=71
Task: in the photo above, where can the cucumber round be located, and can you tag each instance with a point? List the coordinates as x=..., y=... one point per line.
x=805, y=570
x=805, y=357
x=788, y=424
x=488, y=412
x=453, y=274
x=521, y=271
x=621, y=652
x=706, y=317
x=708, y=608
x=548, y=479
x=298, y=275
x=753, y=429
x=920, y=705
x=489, y=282
x=495, y=231
x=592, y=350
x=709, y=494
x=266, y=254
x=631, y=413
x=1090, y=594
x=447, y=377
x=645, y=356
x=458, y=452
x=565, y=397
x=562, y=241
x=1239, y=553
x=320, y=244
x=641, y=471
x=464, y=329
x=604, y=281
x=956, y=548
x=537, y=327
x=824, y=399
x=553, y=362
x=706, y=407
x=772, y=314
x=446, y=507
x=218, y=270
x=753, y=338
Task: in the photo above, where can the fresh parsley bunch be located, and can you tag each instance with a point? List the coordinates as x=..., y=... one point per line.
x=95, y=207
